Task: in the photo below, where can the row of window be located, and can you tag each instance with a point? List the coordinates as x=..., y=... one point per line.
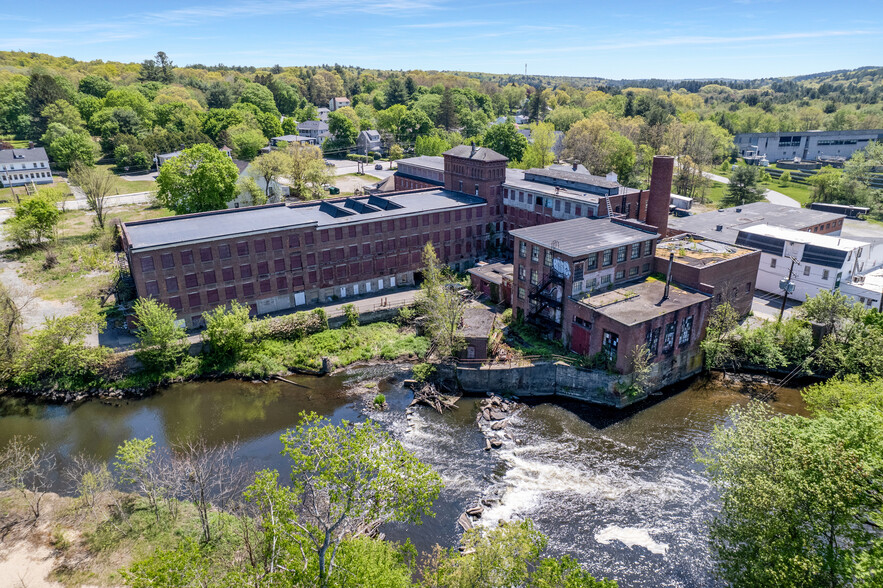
x=668, y=341
x=559, y=205
x=31, y=176
x=622, y=252
x=243, y=249
x=807, y=269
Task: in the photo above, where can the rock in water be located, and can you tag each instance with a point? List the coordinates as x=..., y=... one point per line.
x=465, y=522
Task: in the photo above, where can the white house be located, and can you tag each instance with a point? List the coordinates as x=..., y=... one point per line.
x=866, y=289
x=338, y=102
x=24, y=166
x=278, y=192
x=821, y=262
x=323, y=113
x=314, y=129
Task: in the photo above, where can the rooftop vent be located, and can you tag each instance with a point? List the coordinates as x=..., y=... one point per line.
x=719, y=228
x=738, y=210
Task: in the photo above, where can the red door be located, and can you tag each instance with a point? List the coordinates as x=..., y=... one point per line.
x=579, y=339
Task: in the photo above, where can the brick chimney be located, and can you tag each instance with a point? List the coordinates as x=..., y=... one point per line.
x=660, y=193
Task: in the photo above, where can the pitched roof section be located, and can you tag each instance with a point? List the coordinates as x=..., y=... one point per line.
x=23, y=155
x=480, y=154
x=581, y=236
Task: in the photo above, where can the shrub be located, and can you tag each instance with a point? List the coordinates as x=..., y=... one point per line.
x=161, y=343
x=379, y=400
x=423, y=372
x=293, y=326
x=352, y=316
x=785, y=178
x=35, y=220
x=227, y=331
x=406, y=315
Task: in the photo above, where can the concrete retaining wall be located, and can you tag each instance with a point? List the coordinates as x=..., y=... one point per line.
x=560, y=379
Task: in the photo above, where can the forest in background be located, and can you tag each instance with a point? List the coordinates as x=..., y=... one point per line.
x=126, y=112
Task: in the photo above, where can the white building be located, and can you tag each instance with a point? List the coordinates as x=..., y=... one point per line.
x=866, y=289
x=24, y=166
x=821, y=262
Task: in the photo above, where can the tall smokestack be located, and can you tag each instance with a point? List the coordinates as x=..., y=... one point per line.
x=660, y=192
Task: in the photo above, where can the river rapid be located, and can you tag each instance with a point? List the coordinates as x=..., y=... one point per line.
x=617, y=489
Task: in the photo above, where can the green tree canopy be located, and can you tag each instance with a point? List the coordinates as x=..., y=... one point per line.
x=505, y=139
x=200, y=179
x=744, y=186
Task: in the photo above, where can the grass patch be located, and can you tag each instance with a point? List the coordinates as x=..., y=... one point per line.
x=526, y=339
x=343, y=346
x=121, y=186
x=360, y=176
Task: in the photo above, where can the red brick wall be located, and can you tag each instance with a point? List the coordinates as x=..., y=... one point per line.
x=315, y=262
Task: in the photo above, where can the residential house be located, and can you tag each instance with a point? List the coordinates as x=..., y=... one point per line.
x=24, y=166
x=315, y=130
x=368, y=141
x=323, y=114
x=277, y=192
x=338, y=102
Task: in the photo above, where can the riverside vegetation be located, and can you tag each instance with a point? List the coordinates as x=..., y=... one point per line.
x=190, y=517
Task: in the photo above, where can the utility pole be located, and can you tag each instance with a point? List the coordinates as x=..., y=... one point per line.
x=787, y=286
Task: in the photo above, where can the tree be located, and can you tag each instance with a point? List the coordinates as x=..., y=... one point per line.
x=261, y=97
x=506, y=140
x=441, y=305
x=396, y=152
x=565, y=117
x=795, y=496
x=162, y=343
x=539, y=151
x=307, y=172
x=447, y=110
x=343, y=130
x=228, y=331
x=97, y=184
x=507, y=555
x=246, y=142
x=158, y=69
x=250, y=193
x=536, y=108
x=35, y=219
x=72, y=148
x=743, y=187
x=844, y=393
x=832, y=309
x=396, y=92
x=95, y=86
x=138, y=467
x=12, y=304
x=588, y=142
x=65, y=113
x=200, y=179
x=718, y=344
x=26, y=469
x=270, y=167
x=347, y=476
x=430, y=145
x=212, y=478
x=784, y=179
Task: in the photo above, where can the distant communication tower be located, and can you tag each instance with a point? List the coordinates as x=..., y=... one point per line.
x=525, y=69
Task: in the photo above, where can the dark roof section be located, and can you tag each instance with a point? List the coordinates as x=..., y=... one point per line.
x=240, y=165
x=220, y=224
x=494, y=273
x=732, y=219
x=480, y=153
x=428, y=161
x=23, y=155
x=581, y=236
x=311, y=125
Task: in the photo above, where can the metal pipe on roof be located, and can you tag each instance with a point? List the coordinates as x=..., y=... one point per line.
x=671, y=260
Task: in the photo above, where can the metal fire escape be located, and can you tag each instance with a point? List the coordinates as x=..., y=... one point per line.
x=548, y=294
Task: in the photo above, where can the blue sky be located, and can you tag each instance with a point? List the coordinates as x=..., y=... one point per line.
x=613, y=39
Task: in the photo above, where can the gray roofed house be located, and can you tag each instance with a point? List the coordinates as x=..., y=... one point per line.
x=368, y=141
x=475, y=153
x=724, y=225
x=315, y=129
x=24, y=166
x=581, y=236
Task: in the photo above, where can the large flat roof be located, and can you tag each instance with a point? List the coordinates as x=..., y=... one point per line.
x=642, y=301
x=731, y=220
x=320, y=213
x=699, y=251
x=581, y=236
x=827, y=241
x=436, y=162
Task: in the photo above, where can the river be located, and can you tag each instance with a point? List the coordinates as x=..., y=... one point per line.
x=617, y=489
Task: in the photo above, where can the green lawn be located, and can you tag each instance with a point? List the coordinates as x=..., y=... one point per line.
x=122, y=186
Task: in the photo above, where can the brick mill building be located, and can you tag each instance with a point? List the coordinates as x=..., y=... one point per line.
x=282, y=256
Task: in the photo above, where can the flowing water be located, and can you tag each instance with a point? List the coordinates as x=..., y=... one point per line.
x=617, y=489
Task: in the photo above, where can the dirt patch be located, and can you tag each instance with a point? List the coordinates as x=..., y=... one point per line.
x=35, y=310
x=349, y=183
